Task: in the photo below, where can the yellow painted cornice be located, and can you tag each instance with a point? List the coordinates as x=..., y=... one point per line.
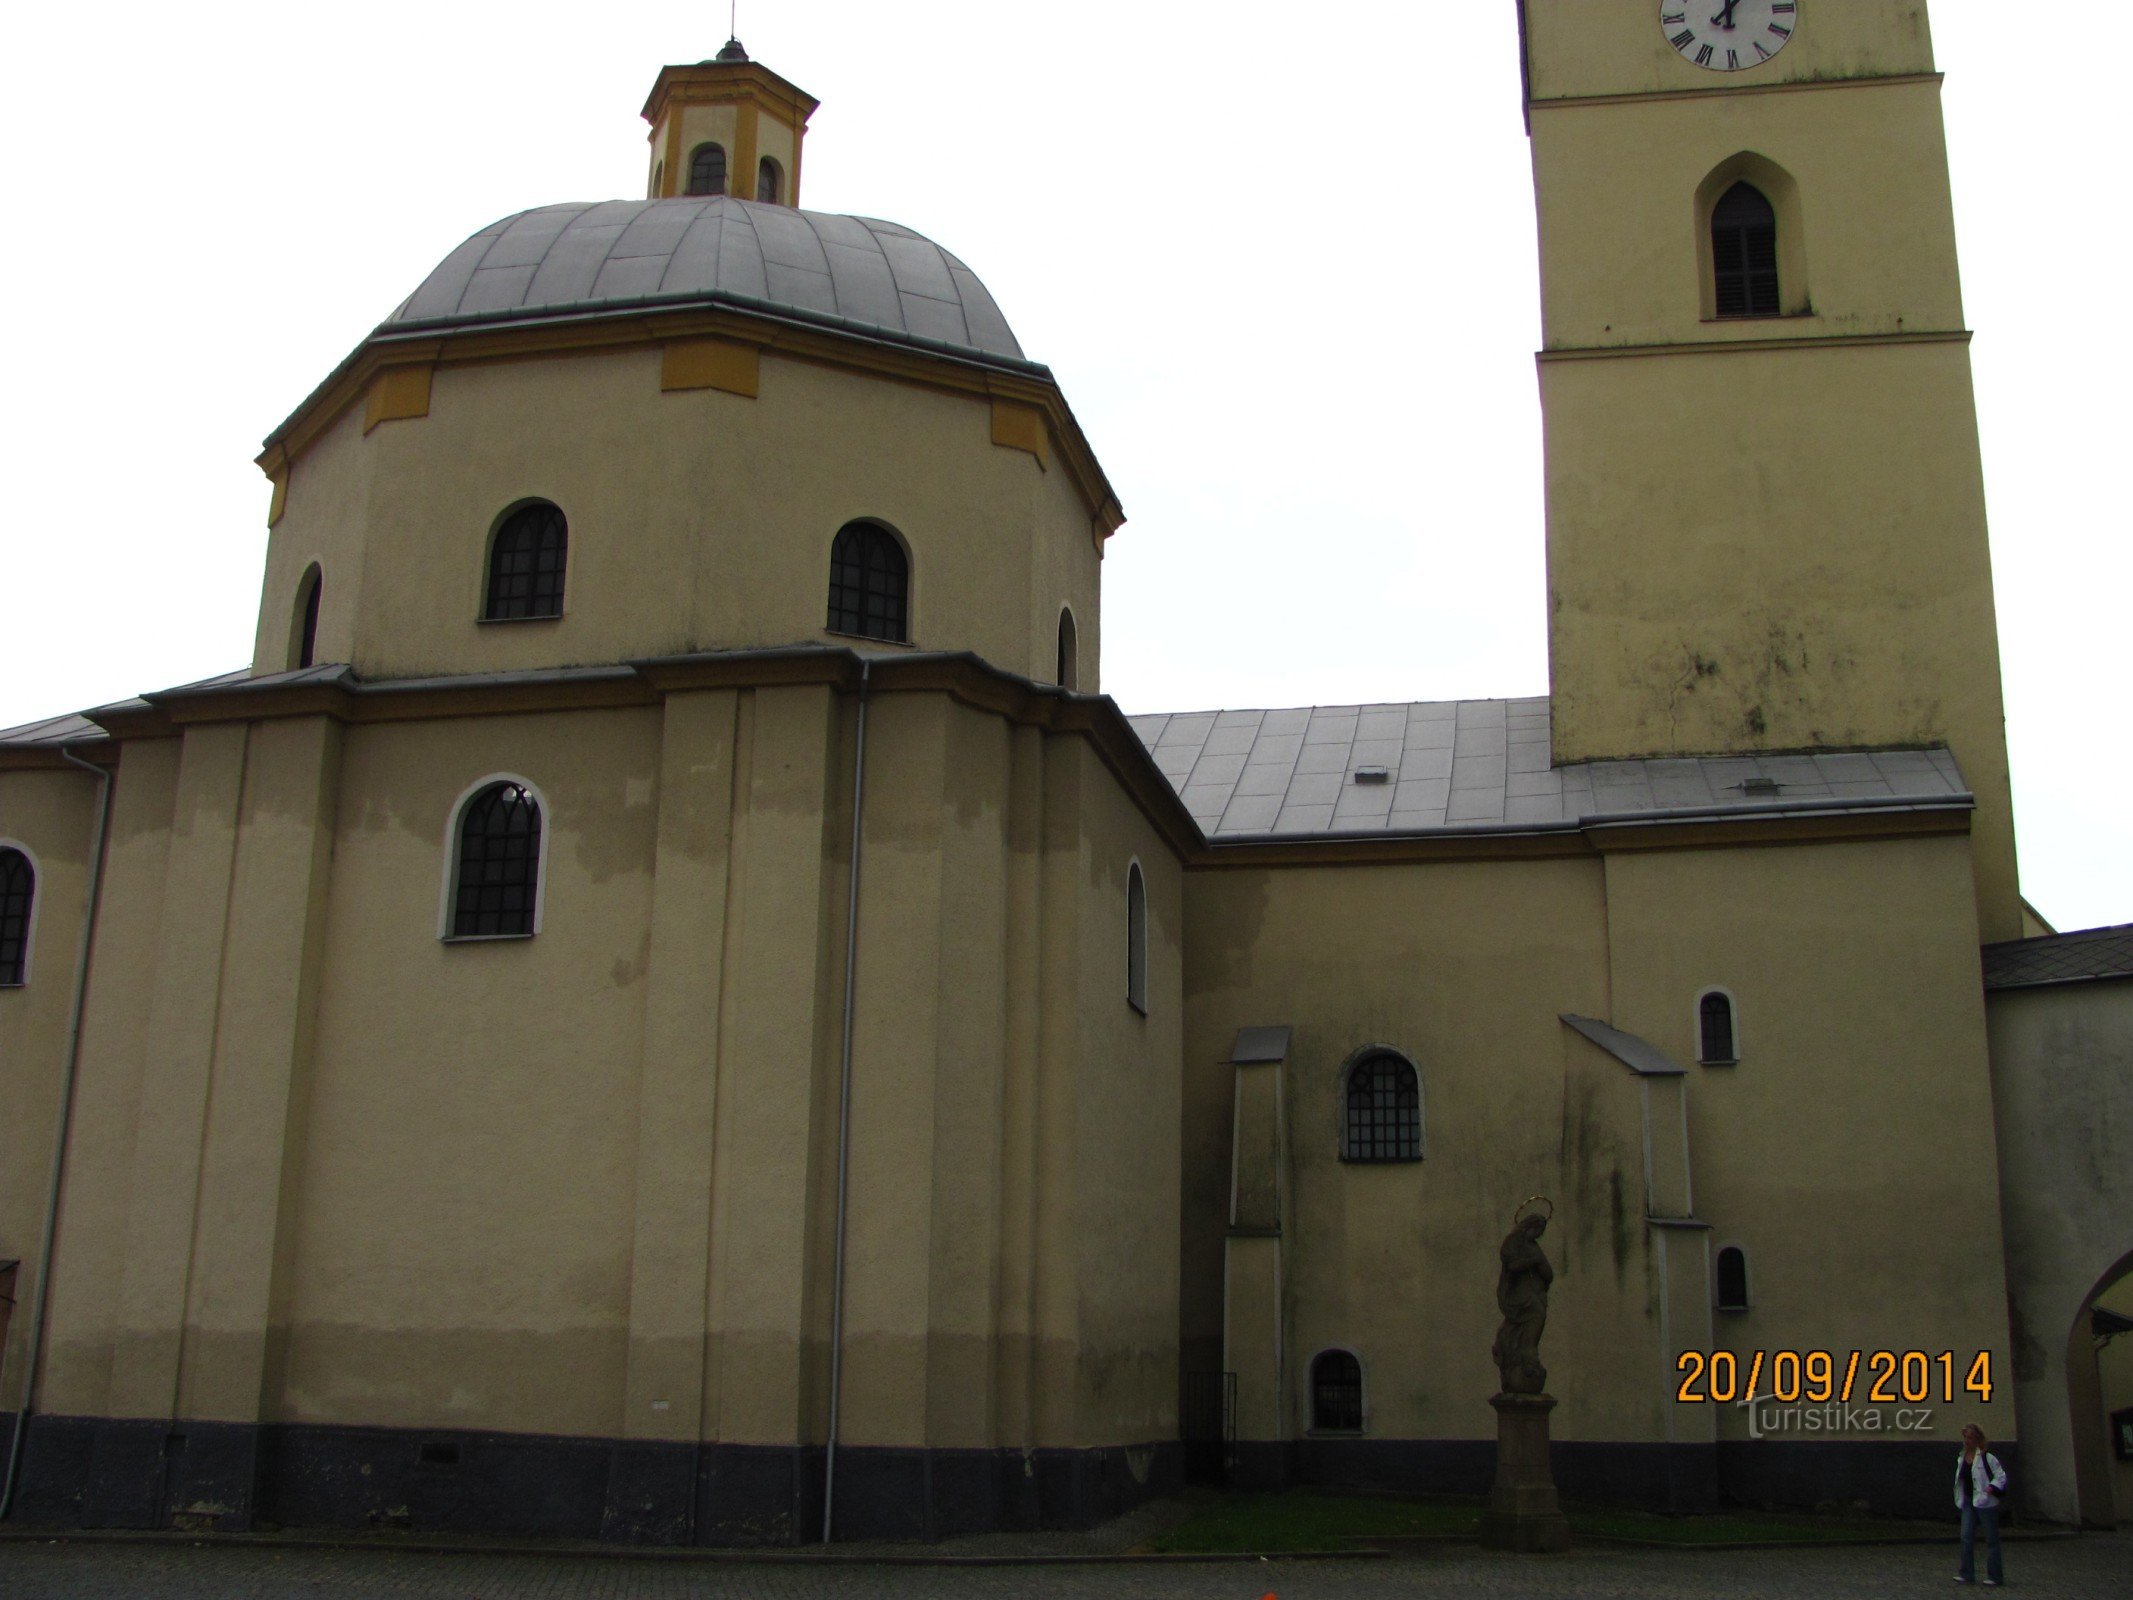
x=727, y=83
x=1729, y=91
x=387, y=364
x=1720, y=347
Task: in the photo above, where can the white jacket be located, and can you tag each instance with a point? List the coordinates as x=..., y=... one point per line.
x=1987, y=1479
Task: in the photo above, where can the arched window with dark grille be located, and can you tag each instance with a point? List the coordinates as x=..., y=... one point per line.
x=1069, y=651
x=18, y=897
x=707, y=169
x=1383, y=1116
x=870, y=583
x=1716, y=1043
x=1744, y=253
x=1732, y=1276
x=769, y=182
x=1136, y=939
x=496, y=880
x=1336, y=1392
x=526, y=563
x=307, y=594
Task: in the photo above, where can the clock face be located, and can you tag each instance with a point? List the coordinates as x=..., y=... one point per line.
x=1728, y=35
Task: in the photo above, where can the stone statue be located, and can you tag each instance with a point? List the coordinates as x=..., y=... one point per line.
x=1522, y=1297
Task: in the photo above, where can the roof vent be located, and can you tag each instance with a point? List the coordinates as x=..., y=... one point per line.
x=1372, y=775
x=1760, y=788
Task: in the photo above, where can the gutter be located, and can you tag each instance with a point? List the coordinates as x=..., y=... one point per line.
x=40, y=1303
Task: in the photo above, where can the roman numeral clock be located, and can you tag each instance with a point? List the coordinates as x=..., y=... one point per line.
x=1728, y=35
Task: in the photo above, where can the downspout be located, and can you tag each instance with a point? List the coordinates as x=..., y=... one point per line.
x=59, y=1140
x=844, y=1106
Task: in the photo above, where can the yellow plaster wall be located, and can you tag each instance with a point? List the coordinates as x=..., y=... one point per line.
x=699, y=519
x=1605, y=47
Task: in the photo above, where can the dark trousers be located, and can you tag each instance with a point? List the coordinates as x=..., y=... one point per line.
x=1990, y=1517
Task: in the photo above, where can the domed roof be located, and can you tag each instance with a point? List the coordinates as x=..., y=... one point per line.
x=873, y=277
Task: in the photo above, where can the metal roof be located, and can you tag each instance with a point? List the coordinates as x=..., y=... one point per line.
x=1640, y=1055
x=51, y=733
x=1483, y=765
x=2081, y=957
x=853, y=271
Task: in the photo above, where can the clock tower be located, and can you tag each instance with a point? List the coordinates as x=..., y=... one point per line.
x=1766, y=519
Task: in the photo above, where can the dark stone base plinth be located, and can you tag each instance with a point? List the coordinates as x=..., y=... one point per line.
x=1524, y=1513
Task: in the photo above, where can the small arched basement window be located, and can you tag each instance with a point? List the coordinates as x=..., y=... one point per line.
x=1382, y=1120
x=769, y=182
x=307, y=593
x=1136, y=939
x=18, y=897
x=1336, y=1392
x=527, y=558
x=707, y=169
x=1069, y=651
x=1717, y=1043
x=1744, y=253
x=870, y=583
x=496, y=880
x=1731, y=1274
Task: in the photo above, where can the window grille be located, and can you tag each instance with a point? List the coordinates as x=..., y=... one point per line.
x=766, y=181
x=18, y=888
x=1336, y=1393
x=526, y=563
x=499, y=864
x=1384, y=1120
x=1136, y=939
x=707, y=169
x=1715, y=1026
x=869, y=583
x=1744, y=254
x=1732, y=1273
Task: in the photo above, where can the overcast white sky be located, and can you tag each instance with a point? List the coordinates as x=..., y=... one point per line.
x=1281, y=259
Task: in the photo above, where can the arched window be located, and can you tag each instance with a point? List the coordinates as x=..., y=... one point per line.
x=306, y=652
x=496, y=880
x=18, y=896
x=1383, y=1120
x=707, y=169
x=1069, y=651
x=1732, y=1276
x=526, y=561
x=659, y=178
x=1336, y=1393
x=769, y=182
x=1744, y=253
x=1716, y=1043
x=1136, y=939
x=870, y=583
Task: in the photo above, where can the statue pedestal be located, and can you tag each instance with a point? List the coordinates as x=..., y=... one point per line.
x=1523, y=1513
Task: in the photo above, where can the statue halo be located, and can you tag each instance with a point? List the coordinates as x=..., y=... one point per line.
x=1519, y=1215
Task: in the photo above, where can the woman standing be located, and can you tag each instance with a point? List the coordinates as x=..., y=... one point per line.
x=1980, y=1480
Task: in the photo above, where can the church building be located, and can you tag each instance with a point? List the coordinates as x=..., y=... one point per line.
x=666, y=1004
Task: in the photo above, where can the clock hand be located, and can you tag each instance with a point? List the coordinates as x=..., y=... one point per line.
x=1725, y=18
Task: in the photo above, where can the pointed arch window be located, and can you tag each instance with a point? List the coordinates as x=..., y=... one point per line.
x=769, y=182
x=307, y=597
x=496, y=879
x=707, y=169
x=1382, y=1119
x=870, y=583
x=1744, y=253
x=1336, y=1392
x=527, y=558
x=1717, y=1041
x=1069, y=651
x=18, y=897
x=1731, y=1275
x=1136, y=939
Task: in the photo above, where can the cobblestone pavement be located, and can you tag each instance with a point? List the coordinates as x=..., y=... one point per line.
x=2093, y=1567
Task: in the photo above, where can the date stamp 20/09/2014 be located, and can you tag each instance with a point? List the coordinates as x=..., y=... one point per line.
x=1820, y=1377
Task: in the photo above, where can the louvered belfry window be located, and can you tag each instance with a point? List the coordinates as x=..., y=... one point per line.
x=870, y=583
x=1744, y=253
x=526, y=564
x=499, y=864
x=1384, y=1112
x=18, y=887
x=1336, y=1393
x=707, y=169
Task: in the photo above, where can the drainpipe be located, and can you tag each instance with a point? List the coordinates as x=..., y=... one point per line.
x=59, y=1139
x=844, y=1107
